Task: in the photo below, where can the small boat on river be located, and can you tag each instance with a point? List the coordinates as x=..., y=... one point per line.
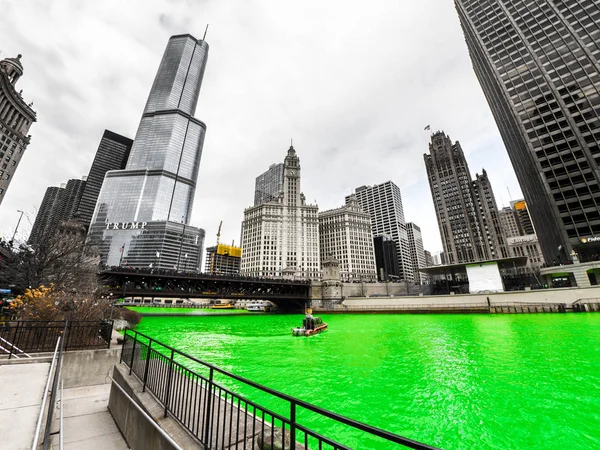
x=310, y=325
x=222, y=305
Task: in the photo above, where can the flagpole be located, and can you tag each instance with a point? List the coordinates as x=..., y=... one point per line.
x=121, y=258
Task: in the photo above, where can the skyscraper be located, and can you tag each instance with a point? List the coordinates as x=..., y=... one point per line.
x=16, y=117
x=466, y=210
x=386, y=258
x=538, y=65
x=383, y=203
x=59, y=204
x=269, y=185
x=345, y=235
x=417, y=252
x=521, y=239
x=281, y=237
x=71, y=198
x=143, y=212
x=112, y=154
x=508, y=222
x=47, y=216
x=523, y=218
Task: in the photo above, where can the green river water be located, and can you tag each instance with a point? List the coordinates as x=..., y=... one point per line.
x=529, y=381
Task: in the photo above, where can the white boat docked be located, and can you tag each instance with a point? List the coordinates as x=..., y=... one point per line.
x=259, y=307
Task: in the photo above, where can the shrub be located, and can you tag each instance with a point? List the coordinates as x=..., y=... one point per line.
x=50, y=303
x=133, y=317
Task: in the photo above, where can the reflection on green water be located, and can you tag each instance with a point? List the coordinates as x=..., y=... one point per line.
x=454, y=381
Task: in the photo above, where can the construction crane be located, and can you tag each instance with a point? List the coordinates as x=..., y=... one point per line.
x=213, y=256
x=219, y=233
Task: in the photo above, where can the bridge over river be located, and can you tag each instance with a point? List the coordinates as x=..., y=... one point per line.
x=172, y=284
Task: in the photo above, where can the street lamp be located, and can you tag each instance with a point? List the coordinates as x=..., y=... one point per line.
x=17, y=227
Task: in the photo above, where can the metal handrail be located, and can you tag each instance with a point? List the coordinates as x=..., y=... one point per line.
x=13, y=347
x=57, y=374
x=36, y=436
x=294, y=402
x=150, y=419
x=62, y=408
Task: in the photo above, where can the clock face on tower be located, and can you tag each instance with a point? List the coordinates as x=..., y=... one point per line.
x=293, y=173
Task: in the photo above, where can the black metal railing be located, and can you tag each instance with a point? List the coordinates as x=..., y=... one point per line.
x=201, y=397
x=37, y=336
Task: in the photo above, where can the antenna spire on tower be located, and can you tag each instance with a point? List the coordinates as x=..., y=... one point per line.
x=205, y=31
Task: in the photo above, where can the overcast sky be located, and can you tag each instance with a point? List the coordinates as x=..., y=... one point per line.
x=353, y=83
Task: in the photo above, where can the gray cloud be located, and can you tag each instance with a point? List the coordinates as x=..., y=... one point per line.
x=353, y=86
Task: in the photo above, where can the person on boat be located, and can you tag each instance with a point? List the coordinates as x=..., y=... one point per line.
x=309, y=320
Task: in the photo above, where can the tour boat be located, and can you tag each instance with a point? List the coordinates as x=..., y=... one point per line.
x=310, y=325
x=258, y=307
x=222, y=306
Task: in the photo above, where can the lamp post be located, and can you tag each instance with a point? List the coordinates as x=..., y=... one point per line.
x=112, y=304
x=17, y=227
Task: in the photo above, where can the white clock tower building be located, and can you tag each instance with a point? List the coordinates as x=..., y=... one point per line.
x=282, y=236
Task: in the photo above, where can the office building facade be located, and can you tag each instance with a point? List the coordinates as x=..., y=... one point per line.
x=16, y=117
x=269, y=185
x=112, y=154
x=383, y=203
x=537, y=63
x=508, y=222
x=281, y=237
x=417, y=252
x=143, y=212
x=386, y=258
x=466, y=210
x=345, y=235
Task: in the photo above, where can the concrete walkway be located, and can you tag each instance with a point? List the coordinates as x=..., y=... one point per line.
x=21, y=392
x=86, y=420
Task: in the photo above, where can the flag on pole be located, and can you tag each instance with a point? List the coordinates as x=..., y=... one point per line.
x=428, y=127
x=122, y=248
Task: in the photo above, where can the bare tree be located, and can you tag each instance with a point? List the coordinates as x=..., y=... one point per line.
x=59, y=258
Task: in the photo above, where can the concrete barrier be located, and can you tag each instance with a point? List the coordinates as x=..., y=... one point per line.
x=137, y=429
x=88, y=367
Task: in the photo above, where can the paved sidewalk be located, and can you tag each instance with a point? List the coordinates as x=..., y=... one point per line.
x=86, y=420
x=21, y=392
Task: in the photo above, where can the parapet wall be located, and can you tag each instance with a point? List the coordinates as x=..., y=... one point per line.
x=542, y=296
x=319, y=291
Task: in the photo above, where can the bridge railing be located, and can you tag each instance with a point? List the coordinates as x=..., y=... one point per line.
x=205, y=399
x=199, y=275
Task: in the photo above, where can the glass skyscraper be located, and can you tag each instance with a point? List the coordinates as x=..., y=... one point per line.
x=269, y=185
x=143, y=212
x=538, y=62
x=112, y=154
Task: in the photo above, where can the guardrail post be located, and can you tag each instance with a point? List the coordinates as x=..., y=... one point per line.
x=209, y=398
x=293, y=425
x=132, y=353
x=13, y=341
x=168, y=395
x=147, y=365
x=123, y=346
